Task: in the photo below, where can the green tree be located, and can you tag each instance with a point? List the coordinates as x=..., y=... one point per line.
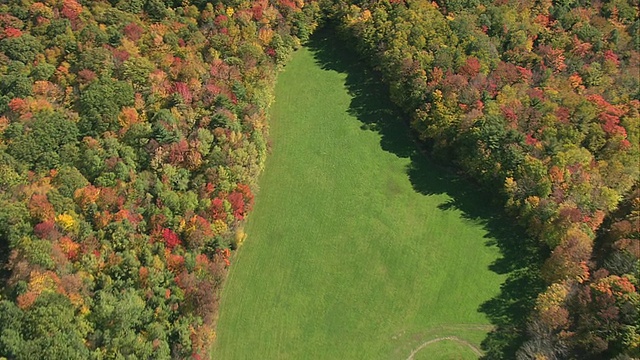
x=16, y=81
x=41, y=142
x=49, y=329
x=68, y=180
x=137, y=69
x=100, y=103
x=23, y=48
x=118, y=315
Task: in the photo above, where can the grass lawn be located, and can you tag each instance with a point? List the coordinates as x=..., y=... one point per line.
x=353, y=250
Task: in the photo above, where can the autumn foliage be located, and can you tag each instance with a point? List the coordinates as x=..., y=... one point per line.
x=131, y=138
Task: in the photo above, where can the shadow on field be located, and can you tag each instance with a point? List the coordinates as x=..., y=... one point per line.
x=520, y=260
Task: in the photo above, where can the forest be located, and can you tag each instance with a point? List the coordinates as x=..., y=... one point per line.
x=132, y=134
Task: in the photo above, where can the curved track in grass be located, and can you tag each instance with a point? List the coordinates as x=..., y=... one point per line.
x=357, y=247
x=473, y=348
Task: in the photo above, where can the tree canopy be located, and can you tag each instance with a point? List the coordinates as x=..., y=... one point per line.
x=131, y=136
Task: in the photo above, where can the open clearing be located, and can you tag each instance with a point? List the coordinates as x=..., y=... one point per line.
x=344, y=258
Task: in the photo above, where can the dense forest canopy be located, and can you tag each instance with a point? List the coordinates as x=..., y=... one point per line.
x=132, y=134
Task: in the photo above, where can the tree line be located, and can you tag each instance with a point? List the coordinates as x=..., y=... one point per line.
x=131, y=135
x=537, y=101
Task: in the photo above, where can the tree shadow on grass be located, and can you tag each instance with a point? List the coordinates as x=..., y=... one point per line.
x=521, y=259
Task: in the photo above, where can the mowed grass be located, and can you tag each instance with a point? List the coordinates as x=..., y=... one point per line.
x=344, y=258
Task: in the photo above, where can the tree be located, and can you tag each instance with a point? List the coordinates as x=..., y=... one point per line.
x=118, y=316
x=137, y=69
x=49, y=328
x=68, y=179
x=156, y=9
x=100, y=103
x=16, y=83
x=43, y=141
x=22, y=48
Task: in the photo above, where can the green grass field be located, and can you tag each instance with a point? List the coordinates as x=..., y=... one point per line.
x=352, y=251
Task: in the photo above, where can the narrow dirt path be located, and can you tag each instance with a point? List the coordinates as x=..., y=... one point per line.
x=452, y=338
